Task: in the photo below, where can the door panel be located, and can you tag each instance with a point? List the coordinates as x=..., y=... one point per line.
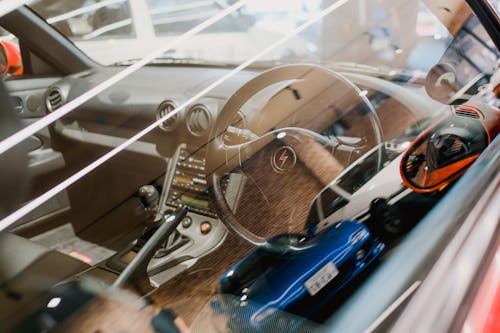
x=28, y=98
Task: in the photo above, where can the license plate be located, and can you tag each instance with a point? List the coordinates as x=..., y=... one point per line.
x=321, y=278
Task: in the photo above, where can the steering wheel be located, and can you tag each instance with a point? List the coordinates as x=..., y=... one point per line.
x=305, y=87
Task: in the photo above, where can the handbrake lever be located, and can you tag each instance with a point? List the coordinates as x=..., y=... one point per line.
x=136, y=271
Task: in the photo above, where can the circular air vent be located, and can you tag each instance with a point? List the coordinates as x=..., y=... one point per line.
x=54, y=99
x=164, y=109
x=198, y=120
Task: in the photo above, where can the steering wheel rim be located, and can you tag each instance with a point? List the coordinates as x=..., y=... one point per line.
x=217, y=150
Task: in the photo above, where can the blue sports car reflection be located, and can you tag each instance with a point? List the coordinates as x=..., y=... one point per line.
x=294, y=273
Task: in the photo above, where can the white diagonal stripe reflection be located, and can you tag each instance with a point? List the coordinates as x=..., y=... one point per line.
x=16, y=138
x=4, y=223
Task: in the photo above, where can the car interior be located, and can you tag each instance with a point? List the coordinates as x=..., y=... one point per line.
x=177, y=175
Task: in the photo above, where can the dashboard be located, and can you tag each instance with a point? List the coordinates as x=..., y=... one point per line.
x=140, y=99
x=180, y=144
x=172, y=157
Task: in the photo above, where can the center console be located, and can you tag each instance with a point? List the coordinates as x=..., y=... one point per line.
x=199, y=233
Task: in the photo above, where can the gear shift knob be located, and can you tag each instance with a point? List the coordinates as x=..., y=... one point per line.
x=149, y=195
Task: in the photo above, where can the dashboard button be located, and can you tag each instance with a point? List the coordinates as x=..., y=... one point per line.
x=205, y=227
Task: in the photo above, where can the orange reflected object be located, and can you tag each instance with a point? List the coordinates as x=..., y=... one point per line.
x=443, y=153
x=456, y=169
x=13, y=63
x=496, y=90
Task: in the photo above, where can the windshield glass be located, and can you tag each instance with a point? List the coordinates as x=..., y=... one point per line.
x=240, y=163
x=398, y=34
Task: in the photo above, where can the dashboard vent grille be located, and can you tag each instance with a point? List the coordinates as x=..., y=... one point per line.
x=54, y=99
x=467, y=113
x=163, y=109
x=198, y=120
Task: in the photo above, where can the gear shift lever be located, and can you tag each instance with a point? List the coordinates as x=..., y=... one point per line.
x=149, y=197
x=136, y=271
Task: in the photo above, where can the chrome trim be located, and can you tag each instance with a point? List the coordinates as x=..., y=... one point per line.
x=396, y=304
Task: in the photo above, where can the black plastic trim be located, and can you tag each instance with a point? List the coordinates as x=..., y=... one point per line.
x=488, y=18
